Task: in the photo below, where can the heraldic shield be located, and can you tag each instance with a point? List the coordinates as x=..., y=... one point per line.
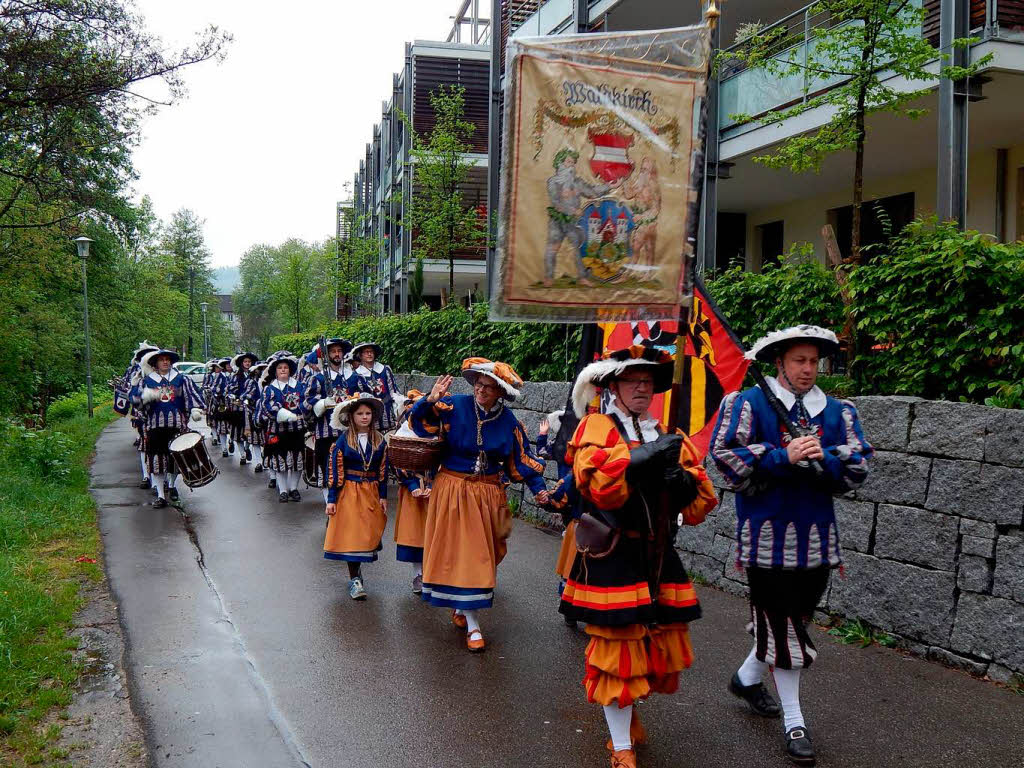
x=606, y=250
x=610, y=161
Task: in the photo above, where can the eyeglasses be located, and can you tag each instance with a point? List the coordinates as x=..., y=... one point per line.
x=637, y=383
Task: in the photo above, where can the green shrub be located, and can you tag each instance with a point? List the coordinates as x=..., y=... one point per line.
x=436, y=342
x=40, y=453
x=943, y=310
x=76, y=403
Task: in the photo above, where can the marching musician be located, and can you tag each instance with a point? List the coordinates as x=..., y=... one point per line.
x=357, y=488
x=373, y=377
x=468, y=519
x=222, y=407
x=208, y=385
x=282, y=407
x=166, y=398
x=132, y=377
x=635, y=481
x=323, y=391
x=255, y=424
x=234, y=391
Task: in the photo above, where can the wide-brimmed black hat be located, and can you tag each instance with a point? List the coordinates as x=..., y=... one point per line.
x=271, y=372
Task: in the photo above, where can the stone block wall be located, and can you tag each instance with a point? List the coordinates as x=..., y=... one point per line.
x=933, y=541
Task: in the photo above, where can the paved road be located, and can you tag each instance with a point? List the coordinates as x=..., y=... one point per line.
x=245, y=650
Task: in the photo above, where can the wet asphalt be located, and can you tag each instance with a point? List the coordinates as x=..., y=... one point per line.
x=244, y=650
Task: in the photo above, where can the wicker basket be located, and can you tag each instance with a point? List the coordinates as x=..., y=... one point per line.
x=415, y=454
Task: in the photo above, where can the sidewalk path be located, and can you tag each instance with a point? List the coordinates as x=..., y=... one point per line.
x=245, y=650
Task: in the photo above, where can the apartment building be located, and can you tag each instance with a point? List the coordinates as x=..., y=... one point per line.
x=963, y=160
x=385, y=183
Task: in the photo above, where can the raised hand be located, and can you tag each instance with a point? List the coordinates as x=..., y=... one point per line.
x=440, y=388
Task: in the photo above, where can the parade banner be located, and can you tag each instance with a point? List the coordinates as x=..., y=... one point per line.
x=600, y=176
x=713, y=366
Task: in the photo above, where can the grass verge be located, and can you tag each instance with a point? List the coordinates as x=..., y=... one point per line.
x=49, y=544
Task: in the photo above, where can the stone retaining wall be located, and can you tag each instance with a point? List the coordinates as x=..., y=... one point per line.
x=933, y=542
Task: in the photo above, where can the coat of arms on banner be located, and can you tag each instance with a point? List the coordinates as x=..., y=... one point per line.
x=599, y=143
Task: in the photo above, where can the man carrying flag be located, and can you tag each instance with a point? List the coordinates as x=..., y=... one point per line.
x=785, y=447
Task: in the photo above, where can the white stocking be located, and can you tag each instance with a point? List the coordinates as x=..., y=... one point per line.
x=787, y=683
x=257, y=454
x=145, y=468
x=293, y=480
x=751, y=671
x=158, y=481
x=417, y=569
x=471, y=621
x=618, y=725
x=172, y=478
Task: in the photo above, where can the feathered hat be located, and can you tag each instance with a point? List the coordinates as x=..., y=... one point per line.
x=501, y=373
x=555, y=421
x=271, y=372
x=358, y=348
x=150, y=357
x=775, y=343
x=343, y=410
x=337, y=341
x=236, y=361
x=212, y=364
x=257, y=369
x=143, y=348
x=612, y=364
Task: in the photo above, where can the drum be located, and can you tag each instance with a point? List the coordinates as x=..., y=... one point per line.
x=192, y=460
x=310, y=469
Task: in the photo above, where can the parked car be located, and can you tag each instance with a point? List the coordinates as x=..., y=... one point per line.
x=193, y=370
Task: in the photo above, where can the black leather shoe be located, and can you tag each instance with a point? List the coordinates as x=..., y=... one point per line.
x=224, y=453
x=799, y=749
x=272, y=483
x=241, y=462
x=174, y=494
x=259, y=469
x=231, y=448
x=145, y=484
x=756, y=695
x=283, y=497
x=294, y=496
x=152, y=490
x=159, y=503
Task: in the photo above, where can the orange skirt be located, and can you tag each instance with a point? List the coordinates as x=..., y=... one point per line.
x=567, y=554
x=410, y=521
x=464, y=539
x=627, y=663
x=355, y=531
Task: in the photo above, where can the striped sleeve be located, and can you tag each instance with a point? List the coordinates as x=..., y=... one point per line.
x=426, y=418
x=522, y=465
x=335, y=471
x=847, y=462
x=599, y=459
x=736, y=452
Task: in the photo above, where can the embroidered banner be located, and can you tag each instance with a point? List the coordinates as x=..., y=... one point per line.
x=600, y=171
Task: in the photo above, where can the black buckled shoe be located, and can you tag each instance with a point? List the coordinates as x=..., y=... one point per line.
x=756, y=695
x=259, y=469
x=174, y=494
x=283, y=497
x=799, y=749
x=241, y=462
x=294, y=495
x=224, y=453
x=272, y=483
x=159, y=503
x=231, y=447
x=145, y=484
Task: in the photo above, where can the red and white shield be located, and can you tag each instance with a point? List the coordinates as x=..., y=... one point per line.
x=611, y=161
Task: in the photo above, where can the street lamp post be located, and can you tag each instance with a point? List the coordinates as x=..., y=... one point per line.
x=206, y=333
x=82, y=243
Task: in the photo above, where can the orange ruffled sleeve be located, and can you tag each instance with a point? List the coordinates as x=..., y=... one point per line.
x=599, y=458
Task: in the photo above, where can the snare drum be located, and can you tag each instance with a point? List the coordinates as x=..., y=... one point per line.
x=310, y=469
x=192, y=460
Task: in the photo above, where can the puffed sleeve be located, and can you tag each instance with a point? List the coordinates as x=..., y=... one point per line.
x=335, y=471
x=427, y=419
x=705, y=500
x=193, y=397
x=847, y=462
x=736, y=451
x=599, y=458
x=521, y=465
x=313, y=393
x=271, y=405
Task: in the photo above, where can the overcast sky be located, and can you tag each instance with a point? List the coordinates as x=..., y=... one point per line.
x=264, y=142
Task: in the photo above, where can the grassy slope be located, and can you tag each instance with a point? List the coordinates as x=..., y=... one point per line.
x=45, y=526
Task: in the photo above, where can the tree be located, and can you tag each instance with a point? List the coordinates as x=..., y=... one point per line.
x=254, y=299
x=443, y=224
x=862, y=39
x=69, y=108
x=190, y=271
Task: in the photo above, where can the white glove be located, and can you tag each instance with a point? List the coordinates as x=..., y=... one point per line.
x=284, y=416
x=330, y=401
x=320, y=406
x=197, y=414
x=149, y=395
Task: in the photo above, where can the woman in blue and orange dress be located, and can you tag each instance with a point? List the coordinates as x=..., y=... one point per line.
x=639, y=480
x=357, y=488
x=468, y=518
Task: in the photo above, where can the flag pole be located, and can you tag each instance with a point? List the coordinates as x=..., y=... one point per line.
x=685, y=315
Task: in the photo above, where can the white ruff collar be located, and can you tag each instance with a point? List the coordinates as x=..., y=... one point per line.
x=281, y=385
x=814, y=400
x=158, y=378
x=648, y=424
x=362, y=370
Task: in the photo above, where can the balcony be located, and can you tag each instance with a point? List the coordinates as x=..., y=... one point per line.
x=549, y=17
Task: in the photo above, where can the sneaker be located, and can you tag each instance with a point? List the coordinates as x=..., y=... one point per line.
x=272, y=483
x=258, y=469
x=145, y=484
x=356, y=590
x=174, y=494
x=283, y=497
x=756, y=695
x=248, y=454
x=294, y=495
x=159, y=503
x=798, y=745
x=417, y=584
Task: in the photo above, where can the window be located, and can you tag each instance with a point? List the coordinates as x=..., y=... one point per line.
x=879, y=221
x=770, y=236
